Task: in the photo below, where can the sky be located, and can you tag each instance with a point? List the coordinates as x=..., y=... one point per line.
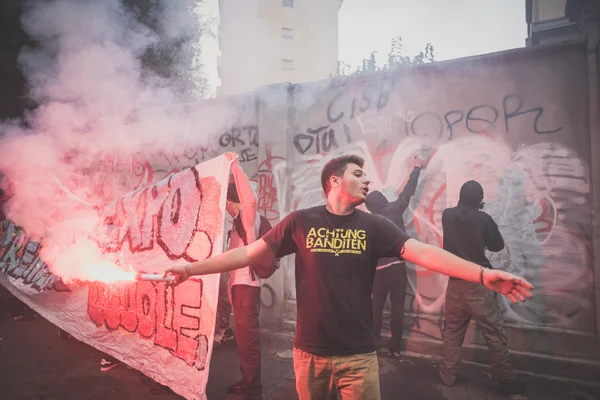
x=455, y=28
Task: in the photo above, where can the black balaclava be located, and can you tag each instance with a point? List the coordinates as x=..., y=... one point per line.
x=376, y=202
x=471, y=194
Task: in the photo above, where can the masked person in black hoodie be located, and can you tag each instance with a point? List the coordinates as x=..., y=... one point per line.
x=468, y=231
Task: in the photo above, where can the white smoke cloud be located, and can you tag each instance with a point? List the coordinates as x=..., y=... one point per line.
x=94, y=99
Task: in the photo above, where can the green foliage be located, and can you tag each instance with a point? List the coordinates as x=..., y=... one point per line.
x=395, y=59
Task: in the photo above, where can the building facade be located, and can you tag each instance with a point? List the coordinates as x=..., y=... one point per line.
x=548, y=23
x=270, y=41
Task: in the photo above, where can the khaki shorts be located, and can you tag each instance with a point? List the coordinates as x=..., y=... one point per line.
x=322, y=378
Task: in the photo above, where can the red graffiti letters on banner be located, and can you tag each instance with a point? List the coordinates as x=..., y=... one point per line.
x=170, y=317
x=182, y=217
x=162, y=213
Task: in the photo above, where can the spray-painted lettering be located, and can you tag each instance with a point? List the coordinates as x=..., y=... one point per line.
x=240, y=137
x=267, y=190
x=20, y=259
x=161, y=214
x=480, y=118
x=375, y=94
x=321, y=140
x=168, y=316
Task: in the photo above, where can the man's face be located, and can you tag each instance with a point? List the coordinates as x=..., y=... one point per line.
x=354, y=185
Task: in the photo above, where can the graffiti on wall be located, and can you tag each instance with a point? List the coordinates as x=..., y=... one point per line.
x=141, y=169
x=515, y=144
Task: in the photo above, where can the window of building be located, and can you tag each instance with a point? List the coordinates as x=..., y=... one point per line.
x=287, y=33
x=287, y=64
x=288, y=3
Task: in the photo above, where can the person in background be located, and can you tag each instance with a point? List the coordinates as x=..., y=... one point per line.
x=390, y=277
x=337, y=247
x=244, y=287
x=468, y=232
x=223, y=333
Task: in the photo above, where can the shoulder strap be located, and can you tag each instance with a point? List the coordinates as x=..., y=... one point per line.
x=265, y=226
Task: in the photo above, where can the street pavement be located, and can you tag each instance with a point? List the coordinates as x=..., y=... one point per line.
x=36, y=364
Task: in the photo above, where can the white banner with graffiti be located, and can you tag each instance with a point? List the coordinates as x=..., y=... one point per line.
x=164, y=332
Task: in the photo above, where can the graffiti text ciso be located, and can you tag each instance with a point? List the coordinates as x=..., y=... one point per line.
x=376, y=95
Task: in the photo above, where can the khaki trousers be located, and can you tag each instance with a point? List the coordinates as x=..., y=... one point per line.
x=466, y=300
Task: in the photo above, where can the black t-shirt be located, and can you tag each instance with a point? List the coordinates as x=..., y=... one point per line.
x=334, y=275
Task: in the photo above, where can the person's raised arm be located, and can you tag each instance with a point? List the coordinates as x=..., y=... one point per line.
x=401, y=203
x=439, y=260
x=248, y=201
x=254, y=253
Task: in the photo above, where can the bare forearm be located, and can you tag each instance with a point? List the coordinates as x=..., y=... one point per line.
x=228, y=261
x=446, y=263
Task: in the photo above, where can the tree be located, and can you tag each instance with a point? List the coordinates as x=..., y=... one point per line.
x=174, y=57
x=395, y=59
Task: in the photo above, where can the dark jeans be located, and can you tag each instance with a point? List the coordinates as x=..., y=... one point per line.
x=223, y=304
x=390, y=280
x=246, y=306
x=466, y=300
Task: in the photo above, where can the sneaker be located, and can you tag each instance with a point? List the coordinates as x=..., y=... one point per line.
x=395, y=355
x=224, y=336
x=447, y=379
x=107, y=365
x=228, y=335
x=382, y=352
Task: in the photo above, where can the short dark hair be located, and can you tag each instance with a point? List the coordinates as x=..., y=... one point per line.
x=336, y=167
x=232, y=194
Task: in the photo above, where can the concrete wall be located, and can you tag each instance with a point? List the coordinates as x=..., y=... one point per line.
x=518, y=122
x=508, y=121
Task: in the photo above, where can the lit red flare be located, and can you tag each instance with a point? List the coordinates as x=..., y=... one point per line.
x=108, y=272
x=154, y=277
